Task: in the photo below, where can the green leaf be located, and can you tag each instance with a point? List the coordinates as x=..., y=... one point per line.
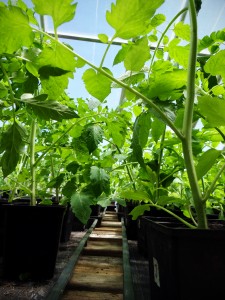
x=137, y=55
x=56, y=182
x=55, y=86
x=206, y=161
x=157, y=129
x=12, y=19
x=183, y=31
x=72, y=167
x=179, y=53
x=130, y=21
x=69, y=188
x=142, y=126
x=54, y=56
x=12, y=143
x=215, y=65
x=97, y=84
x=103, y=38
x=93, y=135
x=60, y=11
x=117, y=131
x=139, y=211
x=100, y=180
x=141, y=129
x=168, y=86
x=47, y=71
x=81, y=149
x=80, y=204
x=213, y=109
x=104, y=201
x=49, y=109
x=158, y=20
x=135, y=195
x=3, y=90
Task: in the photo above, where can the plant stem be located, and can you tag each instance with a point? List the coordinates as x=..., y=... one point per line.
x=163, y=34
x=187, y=123
x=159, y=165
x=212, y=186
x=174, y=215
x=32, y=162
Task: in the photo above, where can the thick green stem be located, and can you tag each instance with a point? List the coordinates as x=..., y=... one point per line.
x=32, y=162
x=187, y=123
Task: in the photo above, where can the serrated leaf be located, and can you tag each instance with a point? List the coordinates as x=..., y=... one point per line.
x=137, y=55
x=80, y=204
x=12, y=143
x=50, y=109
x=100, y=180
x=60, y=11
x=97, y=84
x=140, y=135
x=142, y=126
x=215, y=65
x=135, y=195
x=213, y=109
x=55, y=86
x=11, y=19
x=158, y=20
x=93, y=135
x=183, y=31
x=117, y=131
x=103, y=201
x=69, y=188
x=168, y=86
x=130, y=21
x=56, y=182
x=206, y=162
x=179, y=53
x=139, y=211
x=54, y=56
x=157, y=129
x=81, y=149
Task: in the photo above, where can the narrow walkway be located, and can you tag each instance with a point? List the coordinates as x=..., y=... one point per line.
x=98, y=273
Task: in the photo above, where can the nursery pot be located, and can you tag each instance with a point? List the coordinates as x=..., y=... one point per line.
x=67, y=225
x=31, y=236
x=186, y=263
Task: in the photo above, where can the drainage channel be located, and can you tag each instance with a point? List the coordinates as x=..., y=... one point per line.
x=100, y=267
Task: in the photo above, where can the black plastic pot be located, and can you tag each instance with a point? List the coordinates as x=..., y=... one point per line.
x=186, y=263
x=142, y=222
x=67, y=225
x=30, y=240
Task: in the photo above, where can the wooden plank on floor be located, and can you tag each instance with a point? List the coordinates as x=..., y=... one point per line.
x=87, y=295
x=103, y=228
x=105, y=236
x=106, y=248
x=91, y=282
x=99, y=265
x=110, y=224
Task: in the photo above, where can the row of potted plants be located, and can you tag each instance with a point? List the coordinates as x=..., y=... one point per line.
x=162, y=146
